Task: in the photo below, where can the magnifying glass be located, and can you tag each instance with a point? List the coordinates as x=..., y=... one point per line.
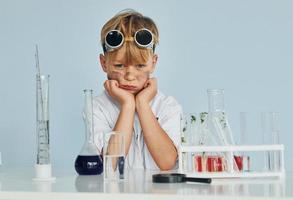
x=178, y=178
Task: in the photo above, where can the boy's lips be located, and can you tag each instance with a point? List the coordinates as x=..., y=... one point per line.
x=128, y=87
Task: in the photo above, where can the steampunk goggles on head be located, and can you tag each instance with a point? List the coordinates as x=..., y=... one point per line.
x=114, y=39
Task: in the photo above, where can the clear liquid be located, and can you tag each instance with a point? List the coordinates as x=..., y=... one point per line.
x=114, y=166
x=43, y=154
x=272, y=161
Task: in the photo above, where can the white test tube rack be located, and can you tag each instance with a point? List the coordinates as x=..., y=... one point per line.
x=229, y=150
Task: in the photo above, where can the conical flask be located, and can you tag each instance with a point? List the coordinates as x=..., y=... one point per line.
x=219, y=131
x=89, y=161
x=217, y=119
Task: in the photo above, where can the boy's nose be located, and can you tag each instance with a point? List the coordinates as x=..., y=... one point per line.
x=130, y=73
x=130, y=76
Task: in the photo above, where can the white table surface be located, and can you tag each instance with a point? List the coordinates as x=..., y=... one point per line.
x=17, y=183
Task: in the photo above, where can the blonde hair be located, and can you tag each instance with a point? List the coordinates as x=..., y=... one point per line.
x=128, y=22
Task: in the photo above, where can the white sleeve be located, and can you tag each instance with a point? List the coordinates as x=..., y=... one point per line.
x=169, y=120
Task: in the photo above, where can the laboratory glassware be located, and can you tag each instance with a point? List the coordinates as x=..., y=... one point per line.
x=183, y=129
x=218, y=126
x=270, y=133
x=43, y=142
x=114, y=156
x=243, y=157
x=89, y=161
x=217, y=118
x=43, y=164
x=189, y=128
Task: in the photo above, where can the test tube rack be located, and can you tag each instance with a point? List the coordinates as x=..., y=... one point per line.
x=230, y=151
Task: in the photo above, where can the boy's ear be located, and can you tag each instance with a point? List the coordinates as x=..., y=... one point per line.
x=103, y=62
x=155, y=59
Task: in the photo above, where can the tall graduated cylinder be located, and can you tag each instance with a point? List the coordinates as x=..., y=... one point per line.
x=43, y=167
x=42, y=107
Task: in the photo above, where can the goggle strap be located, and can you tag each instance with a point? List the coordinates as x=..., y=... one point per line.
x=105, y=49
x=129, y=39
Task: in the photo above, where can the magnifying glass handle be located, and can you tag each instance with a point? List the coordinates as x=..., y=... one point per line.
x=198, y=180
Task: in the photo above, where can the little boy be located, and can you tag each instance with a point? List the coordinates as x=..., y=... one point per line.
x=131, y=103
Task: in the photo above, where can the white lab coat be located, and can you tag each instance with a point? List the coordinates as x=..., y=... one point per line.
x=165, y=108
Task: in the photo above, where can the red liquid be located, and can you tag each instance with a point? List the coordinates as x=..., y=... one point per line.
x=198, y=163
x=239, y=162
x=209, y=163
x=215, y=163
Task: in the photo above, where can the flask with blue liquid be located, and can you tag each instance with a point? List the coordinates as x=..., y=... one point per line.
x=89, y=161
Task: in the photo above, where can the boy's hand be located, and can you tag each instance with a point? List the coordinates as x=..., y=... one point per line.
x=148, y=93
x=122, y=96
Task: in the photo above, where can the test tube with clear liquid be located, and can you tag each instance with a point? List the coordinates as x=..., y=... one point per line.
x=270, y=133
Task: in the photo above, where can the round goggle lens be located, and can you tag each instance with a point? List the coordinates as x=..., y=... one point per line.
x=114, y=38
x=144, y=37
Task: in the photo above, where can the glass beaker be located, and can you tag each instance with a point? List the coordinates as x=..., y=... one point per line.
x=114, y=156
x=89, y=160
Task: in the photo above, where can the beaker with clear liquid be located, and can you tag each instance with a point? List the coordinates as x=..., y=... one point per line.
x=114, y=156
x=89, y=161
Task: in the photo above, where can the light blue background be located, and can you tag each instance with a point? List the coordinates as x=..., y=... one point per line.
x=245, y=47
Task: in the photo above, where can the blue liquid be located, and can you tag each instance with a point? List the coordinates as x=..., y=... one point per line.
x=89, y=165
x=121, y=167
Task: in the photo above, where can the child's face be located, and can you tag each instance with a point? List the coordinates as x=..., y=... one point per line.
x=130, y=76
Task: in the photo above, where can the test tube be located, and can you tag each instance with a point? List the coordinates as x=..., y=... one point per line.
x=270, y=133
x=244, y=159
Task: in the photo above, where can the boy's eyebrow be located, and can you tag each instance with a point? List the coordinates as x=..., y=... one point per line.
x=118, y=61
